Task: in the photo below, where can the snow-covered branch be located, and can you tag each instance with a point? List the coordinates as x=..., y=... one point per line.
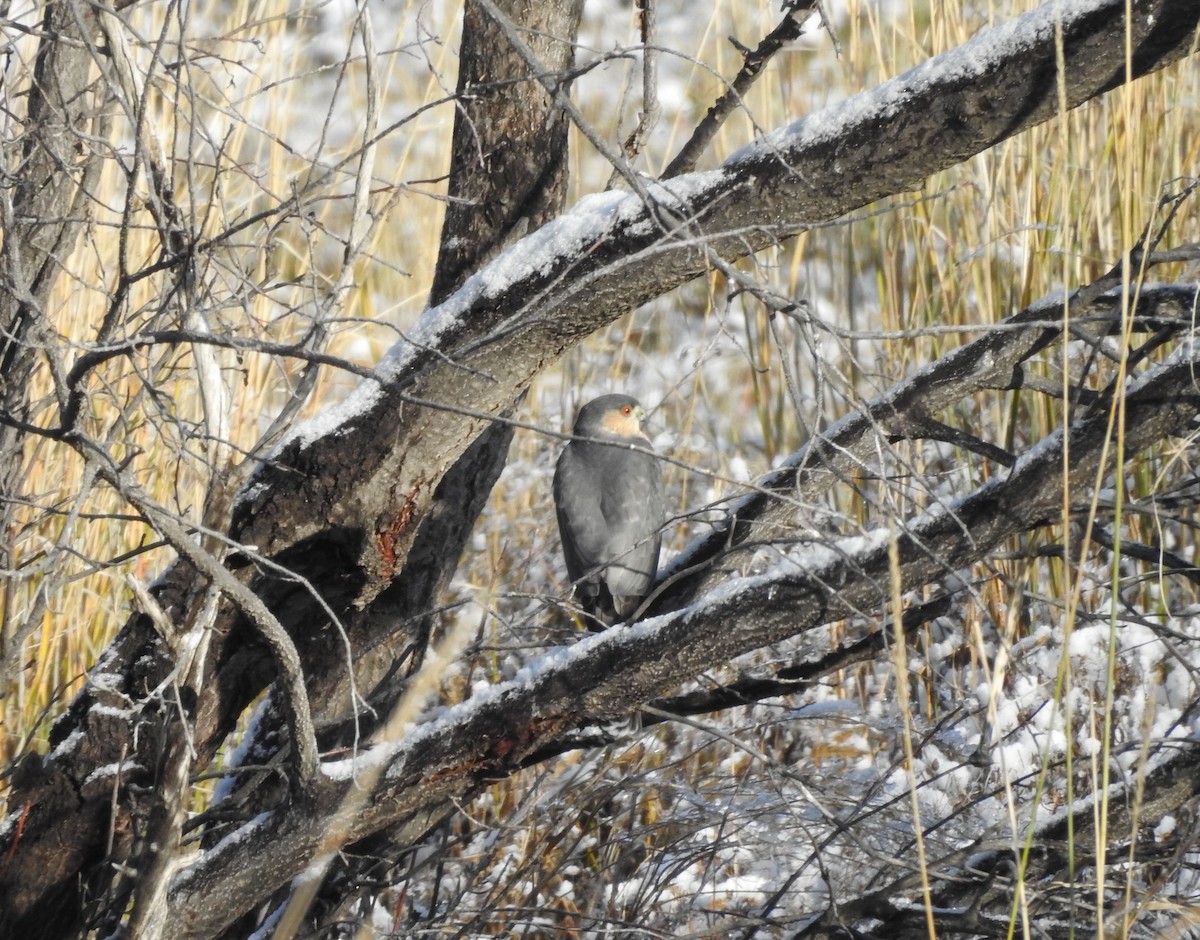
x=614, y=251
x=338, y=544
x=605, y=676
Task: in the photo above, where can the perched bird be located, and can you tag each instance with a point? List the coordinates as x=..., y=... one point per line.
x=609, y=500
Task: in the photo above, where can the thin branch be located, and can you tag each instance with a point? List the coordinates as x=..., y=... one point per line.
x=920, y=427
x=647, y=16
x=1154, y=555
x=268, y=626
x=790, y=28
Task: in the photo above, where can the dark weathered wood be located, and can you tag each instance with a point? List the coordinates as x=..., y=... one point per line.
x=478, y=742
x=49, y=195
x=508, y=157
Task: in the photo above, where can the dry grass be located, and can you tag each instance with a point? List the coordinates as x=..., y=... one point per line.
x=243, y=135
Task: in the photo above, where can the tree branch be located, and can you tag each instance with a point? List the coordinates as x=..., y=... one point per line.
x=603, y=676
x=344, y=500
x=790, y=28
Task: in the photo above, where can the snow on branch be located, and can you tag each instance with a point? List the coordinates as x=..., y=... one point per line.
x=467, y=360
x=994, y=361
x=616, y=250
x=606, y=675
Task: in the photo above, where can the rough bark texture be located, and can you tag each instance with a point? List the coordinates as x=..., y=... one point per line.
x=481, y=741
x=508, y=162
x=43, y=211
x=508, y=176
x=351, y=512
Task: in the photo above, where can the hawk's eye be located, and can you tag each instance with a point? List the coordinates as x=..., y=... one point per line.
x=627, y=410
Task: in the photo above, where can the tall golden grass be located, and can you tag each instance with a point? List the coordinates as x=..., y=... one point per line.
x=260, y=79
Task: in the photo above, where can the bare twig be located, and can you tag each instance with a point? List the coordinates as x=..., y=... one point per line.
x=789, y=28
x=647, y=16
x=265, y=622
